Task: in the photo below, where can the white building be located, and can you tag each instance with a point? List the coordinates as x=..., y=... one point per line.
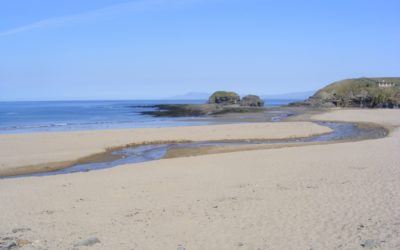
x=383, y=84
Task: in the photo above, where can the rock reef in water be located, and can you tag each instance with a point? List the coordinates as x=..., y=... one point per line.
x=360, y=92
x=180, y=110
x=187, y=110
x=219, y=103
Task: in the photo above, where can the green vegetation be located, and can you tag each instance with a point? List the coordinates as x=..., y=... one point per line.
x=224, y=97
x=360, y=92
x=251, y=101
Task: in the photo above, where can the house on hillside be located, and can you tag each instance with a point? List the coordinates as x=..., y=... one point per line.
x=384, y=84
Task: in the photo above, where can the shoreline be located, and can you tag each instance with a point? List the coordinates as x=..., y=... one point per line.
x=107, y=156
x=63, y=149
x=123, y=117
x=264, y=114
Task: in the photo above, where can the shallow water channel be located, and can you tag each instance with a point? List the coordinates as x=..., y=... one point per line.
x=341, y=132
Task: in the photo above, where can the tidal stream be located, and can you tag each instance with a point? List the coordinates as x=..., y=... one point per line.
x=341, y=132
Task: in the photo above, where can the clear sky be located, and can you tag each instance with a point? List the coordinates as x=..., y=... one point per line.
x=124, y=49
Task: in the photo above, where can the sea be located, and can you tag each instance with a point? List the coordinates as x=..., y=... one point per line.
x=52, y=116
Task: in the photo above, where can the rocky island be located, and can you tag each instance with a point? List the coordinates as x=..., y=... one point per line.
x=219, y=103
x=357, y=93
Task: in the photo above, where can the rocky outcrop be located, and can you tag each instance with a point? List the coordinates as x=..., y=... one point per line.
x=224, y=98
x=252, y=101
x=191, y=110
x=360, y=92
x=180, y=110
x=219, y=103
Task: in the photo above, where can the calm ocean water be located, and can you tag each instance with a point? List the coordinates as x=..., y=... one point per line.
x=26, y=117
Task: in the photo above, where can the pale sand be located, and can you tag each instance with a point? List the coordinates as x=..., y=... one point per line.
x=20, y=150
x=333, y=196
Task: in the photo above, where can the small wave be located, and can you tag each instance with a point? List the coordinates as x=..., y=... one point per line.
x=62, y=124
x=59, y=124
x=7, y=113
x=29, y=127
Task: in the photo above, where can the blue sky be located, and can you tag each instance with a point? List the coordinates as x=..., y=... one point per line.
x=123, y=49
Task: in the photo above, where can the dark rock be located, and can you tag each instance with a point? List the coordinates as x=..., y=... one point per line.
x=9, y=245
x=88, y=242
x=370, y=244
x=17, y=230
x=240, y=244
x=252, y=101
x=178, y=110
x=224, y=98
x=193, y=110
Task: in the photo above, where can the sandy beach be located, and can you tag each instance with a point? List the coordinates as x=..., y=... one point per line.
x=331, y=196
x=25, y=153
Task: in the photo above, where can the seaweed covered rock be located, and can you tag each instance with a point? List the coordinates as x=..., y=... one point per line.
x=251, y=101
x=224, y=98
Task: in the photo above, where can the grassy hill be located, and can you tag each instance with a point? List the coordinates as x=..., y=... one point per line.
x=359, y=92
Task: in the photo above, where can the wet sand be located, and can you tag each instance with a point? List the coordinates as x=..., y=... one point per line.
x=29, y=153
x=342, y=132
x=333, y=196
